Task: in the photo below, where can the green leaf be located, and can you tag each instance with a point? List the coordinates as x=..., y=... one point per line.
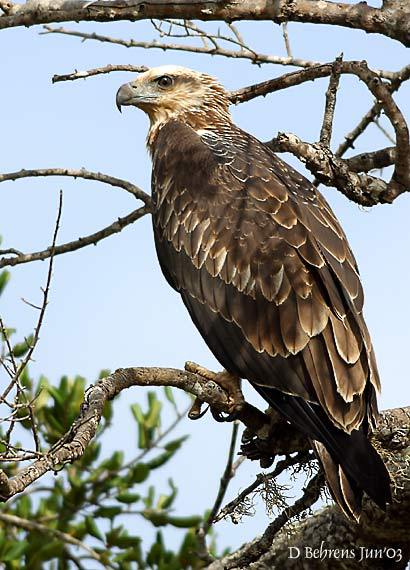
x=139, y=473
x=14, y=550
x=24, y=507
x=104, y=373
x=169, y=394
x=108, y=512
x=92, y=527
x=4, y=279
x=157, y=518
x=165, y=501
x=126, y=541
x=21, y=348
x=154, y=415
x=176, y=443
x=114, y=462
x=137, y=413
x=160, y=459
x=128, y=498
x=185, y=522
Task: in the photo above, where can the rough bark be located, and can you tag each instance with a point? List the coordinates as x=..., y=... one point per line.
x=391, y=20
x=337, y=542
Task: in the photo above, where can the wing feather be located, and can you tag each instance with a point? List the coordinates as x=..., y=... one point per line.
x=259, y=257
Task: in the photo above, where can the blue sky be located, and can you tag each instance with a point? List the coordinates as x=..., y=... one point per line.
x=110, y=306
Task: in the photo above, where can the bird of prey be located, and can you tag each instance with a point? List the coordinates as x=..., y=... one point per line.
x=266, y=273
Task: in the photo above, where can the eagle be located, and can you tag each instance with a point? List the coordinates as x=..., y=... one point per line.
x=266, y=274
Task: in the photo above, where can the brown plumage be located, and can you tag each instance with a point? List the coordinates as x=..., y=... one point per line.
x=266, y=273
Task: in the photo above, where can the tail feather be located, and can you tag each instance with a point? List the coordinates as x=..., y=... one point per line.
x=350, y=463
x=345, y=493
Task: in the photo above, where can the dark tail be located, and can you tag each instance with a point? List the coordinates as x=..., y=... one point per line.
x=349, y=461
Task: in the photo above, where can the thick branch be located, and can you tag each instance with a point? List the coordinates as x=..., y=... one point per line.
x=391, y=20
x=73, y=444
x=385, y=534
x=322, y=166
x=332, y=171
x=372, y=160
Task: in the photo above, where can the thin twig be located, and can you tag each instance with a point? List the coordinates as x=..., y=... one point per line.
x=210, y=50
x=286, y=39
x=229, y=509
x=6, y=339
x=98, y=71
x=81, y=242
x=244, y=51
x=397, y=79
x=309, y=497
x=225, y=480
x=10, y=251
x=223, y=486
x=79, y=173
x=30, y=525
x=384, y=131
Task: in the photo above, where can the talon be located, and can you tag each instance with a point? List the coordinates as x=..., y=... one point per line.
x=217, y=415
x=232, y=385
x=195, y=411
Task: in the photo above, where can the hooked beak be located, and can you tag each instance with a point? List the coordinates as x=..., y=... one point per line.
x=131, y=94
x=124, y=96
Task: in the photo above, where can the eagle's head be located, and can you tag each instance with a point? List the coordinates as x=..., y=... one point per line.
x=171, y=92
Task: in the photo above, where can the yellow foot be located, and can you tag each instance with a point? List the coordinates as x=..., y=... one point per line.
x=229, y=383
x=232, y=385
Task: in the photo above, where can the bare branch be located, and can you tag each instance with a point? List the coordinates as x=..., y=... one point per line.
x=243, y=53
x=372, y=160
x=390, y=20
x=80, y=173
x=397, y=79
x=223, y=487
x=326, y=130
x=73, y=444
x=99, y=71
x=332, y=171
x=321, y=166
x=286, y=38
x=230, y=508
x=81, y=242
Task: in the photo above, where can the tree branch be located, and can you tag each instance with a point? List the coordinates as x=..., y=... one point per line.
x=244, y=53
x=74, y=443
x=92, y=239
x=384, y=535
x=391, y=20
x=30, y=525
x=320, y=160
x=99, y=71
x=80, y=173
x=115, y=227
x=373, y=113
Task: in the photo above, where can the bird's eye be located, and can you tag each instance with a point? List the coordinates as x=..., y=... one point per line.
x=165, y=81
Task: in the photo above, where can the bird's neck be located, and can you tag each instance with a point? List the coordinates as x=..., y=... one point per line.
x=199, y=120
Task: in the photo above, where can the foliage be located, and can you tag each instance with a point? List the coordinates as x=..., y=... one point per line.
x=99, y=502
